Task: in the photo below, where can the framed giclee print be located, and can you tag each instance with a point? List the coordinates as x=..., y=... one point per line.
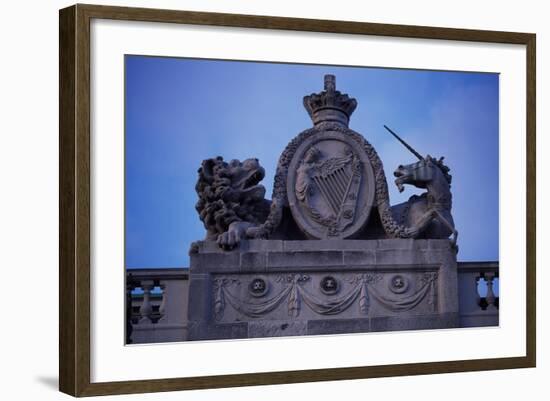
x=261, y=200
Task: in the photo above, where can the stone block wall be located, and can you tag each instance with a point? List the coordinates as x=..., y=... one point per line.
x=269, y=288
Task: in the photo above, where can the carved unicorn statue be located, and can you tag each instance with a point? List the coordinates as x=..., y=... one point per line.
x=427, y=215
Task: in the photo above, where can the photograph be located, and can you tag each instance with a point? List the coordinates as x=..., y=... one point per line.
x=269, y=199
x=251, y=199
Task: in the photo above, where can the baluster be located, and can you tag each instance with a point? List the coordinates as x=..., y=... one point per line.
x=489, y=277
x=130, y=285
x=146, y=309
x=478, y=298
x=162, y=306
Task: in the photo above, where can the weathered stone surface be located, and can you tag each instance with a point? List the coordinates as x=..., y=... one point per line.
x=404, y=256
x=155, y=333
x=385, y=323
x=212, y=331
x=395, y=323
x=480, y=319
x=394, y=243
x=340, y=326
x=256, y=245
x=200, y=299
x=277, y=328
x=213, y=261
x=305, y=259
x=253, y=261
x=328, y=245
x=390, y=285
x=359, y=258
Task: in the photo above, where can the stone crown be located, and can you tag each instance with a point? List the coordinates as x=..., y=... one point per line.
x=330, y=104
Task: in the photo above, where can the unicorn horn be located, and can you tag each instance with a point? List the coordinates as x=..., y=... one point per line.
x=414, y=152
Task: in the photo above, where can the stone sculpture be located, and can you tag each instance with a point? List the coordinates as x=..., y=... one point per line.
x=230, y=198
x=427, y=215
x=328, y=253
x=329, y=181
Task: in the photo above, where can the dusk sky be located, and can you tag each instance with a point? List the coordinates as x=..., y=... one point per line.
x=181, y=111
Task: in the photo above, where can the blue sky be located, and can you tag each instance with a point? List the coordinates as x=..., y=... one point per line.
x=181, y=111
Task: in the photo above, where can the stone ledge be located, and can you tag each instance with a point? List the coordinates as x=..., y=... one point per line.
x=263, y=255
x=324, y=245
x=329, y=245
x=305, y=259
x=359, y=258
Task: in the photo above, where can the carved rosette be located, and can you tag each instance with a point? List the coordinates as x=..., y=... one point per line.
x=330, y=299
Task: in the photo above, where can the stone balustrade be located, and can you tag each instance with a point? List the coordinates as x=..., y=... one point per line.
x=156, y=305
x=157, y=301
x=478, y=294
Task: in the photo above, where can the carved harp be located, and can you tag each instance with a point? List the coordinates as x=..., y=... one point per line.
x=334, y=178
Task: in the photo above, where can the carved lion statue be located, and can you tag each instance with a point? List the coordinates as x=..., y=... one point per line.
x=231, y=200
